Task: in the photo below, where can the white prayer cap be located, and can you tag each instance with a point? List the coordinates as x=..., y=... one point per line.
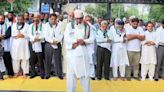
x=57, y=13
x=104, y=22
x=132, y=17
x=78, y=14
x=124, y=19
x=5, y=13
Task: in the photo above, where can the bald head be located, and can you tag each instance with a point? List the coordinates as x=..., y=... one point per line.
x=71, y=15
x=36, y=18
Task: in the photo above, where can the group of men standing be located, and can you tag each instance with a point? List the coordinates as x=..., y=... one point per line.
x=38, y=45
x=25, y=44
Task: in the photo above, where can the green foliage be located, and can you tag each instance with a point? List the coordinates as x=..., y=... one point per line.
x=19, y=6
x=118, y=10
x=156, y=12
x=98, y=10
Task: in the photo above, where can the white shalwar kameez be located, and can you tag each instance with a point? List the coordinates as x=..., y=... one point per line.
x=20, y=50
x=77, y=59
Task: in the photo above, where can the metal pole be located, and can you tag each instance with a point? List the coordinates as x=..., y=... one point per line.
x=109, y=9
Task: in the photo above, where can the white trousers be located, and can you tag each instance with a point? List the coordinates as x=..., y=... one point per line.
x=121, y=70
x=24, y=64
x=147, y=69
x=72, y=81
x=92, y=70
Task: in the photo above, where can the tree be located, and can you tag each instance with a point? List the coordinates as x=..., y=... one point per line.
x=156, y=12
x=98, y=10
x=117, y=10
x=19, y=6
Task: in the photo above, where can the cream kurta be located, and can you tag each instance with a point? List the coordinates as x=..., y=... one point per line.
x=148, y=54
x=119, y=51
x=77, y=59
x=20, y=49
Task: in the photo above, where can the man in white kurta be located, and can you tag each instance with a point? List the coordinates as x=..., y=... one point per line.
x=77, y=38
x=20, y=50
x=119, y=57
x=53, y=38
x=91, y=48
x=148, y=53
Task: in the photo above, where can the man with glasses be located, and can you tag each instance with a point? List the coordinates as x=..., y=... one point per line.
x=36, y=51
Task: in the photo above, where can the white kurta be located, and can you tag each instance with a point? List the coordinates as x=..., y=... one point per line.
x=33, y=33
x=91, y=47
x=3, y=29
x=5, y=43
x=119, y=52
x=77, y=59
x=148, y=54
x=20, y=49
x=53, y=34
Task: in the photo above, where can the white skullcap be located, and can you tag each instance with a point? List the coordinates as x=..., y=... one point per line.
x=5, y=13
x=104, y=22
x=132, y=17
x=78, y=14
x=57, y=13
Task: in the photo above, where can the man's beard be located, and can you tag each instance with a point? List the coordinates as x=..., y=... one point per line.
x=20, y=23
x=1, y=23
x=135, y=27
x=10, y=19
x=42, y=20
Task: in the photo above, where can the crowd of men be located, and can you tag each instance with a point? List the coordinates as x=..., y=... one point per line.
x=74, y=47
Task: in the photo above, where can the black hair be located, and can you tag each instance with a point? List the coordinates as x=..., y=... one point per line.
x=135, y=20
x=53, y=14
x=162, y=21
x=149, y=22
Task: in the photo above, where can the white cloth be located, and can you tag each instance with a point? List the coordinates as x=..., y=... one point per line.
x=119, y=55
x=121, y=71
x=101, y=41
x=20, y=48
x=148, y=54
x=78, y=14
x=72, y=81
x=53, y=34
x=147, y=69
x=78, y=59
x=24, y=64
x=7, y=42
x=160, y=37
x=135, y=44
x=2, y=65
x=32, y=33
